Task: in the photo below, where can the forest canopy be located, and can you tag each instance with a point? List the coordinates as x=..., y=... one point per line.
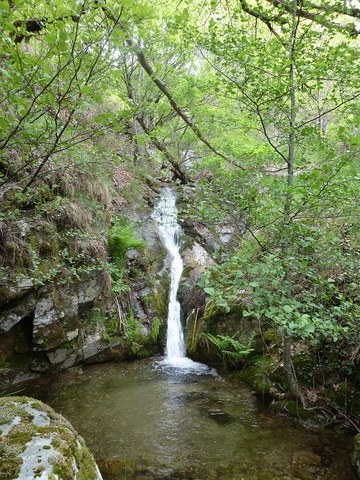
x=254, y=104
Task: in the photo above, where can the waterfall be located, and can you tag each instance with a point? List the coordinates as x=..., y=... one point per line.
x=165, y=214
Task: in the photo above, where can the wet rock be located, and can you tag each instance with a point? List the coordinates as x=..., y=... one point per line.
x=40, y=365
x=116, y=351
x=55, y=321
x=196, y=260
x=10, y=317
x=59, y=355
x=37, y=442
x=69, y=362
x=93, y=340
x=307, y=465
x=25, y=377
x=220, y=417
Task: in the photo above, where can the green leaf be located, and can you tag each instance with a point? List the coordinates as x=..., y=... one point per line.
x=209, y=290
x=309, y=328
x=288, y=308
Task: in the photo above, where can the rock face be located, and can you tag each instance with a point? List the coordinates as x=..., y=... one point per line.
x=196, y=260
x=54, y=327
x=51, y=328
x=37, y=442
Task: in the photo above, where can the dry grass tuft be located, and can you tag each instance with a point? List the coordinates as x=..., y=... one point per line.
x=122, y=178
x=75, y=182
x=70, y=215
x=93, y=248
x=13, y=247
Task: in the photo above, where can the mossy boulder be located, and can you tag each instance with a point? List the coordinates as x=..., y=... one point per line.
x=38, y=442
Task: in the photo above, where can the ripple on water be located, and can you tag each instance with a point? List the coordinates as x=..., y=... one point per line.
x=152, y=420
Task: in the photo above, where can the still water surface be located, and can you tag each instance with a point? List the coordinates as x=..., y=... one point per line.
x=145, y=420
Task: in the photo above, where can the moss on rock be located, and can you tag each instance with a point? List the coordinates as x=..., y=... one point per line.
x=38, y=441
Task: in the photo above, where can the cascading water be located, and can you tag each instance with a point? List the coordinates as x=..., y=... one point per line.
x=166, y=215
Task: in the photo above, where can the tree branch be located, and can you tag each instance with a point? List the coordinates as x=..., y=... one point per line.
x=165, y=91
x=320, y=19
x=176, y=168
x=328, y=111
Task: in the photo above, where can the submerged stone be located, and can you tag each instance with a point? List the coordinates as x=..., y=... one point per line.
x=37, y=442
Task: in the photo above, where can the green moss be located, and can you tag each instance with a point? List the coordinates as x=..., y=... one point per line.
x=121, y=238
x=65, y=441
x=86, y=460
x=272, y=337
x=137, y=342
x=212, y=312
x=96, y=316
x=195, y=328
x=10, y=466
x=157, y=301
x=45, y=244
x=72, y=446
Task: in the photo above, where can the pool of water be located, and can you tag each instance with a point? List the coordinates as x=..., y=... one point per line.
x=149, y=420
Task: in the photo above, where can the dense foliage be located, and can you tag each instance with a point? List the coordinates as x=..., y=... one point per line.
x=255, y=103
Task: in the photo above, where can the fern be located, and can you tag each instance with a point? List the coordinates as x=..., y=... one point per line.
x=229, y=348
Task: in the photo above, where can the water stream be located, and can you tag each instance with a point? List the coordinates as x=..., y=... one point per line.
x=165, y=214
x=174, y=419
x=145, y=421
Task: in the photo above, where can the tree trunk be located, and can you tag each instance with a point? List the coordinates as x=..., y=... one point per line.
x=286, y=243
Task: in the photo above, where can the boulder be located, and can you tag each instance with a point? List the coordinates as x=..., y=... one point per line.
x=8, y=293
x=92, y=340
x=55, y=320
x=37, y=442
x=13, y=315
x=196, y=260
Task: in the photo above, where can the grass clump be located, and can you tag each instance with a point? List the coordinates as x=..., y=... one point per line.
x=122, y=237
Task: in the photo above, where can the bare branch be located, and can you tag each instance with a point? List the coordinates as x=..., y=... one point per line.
x=328, y=111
